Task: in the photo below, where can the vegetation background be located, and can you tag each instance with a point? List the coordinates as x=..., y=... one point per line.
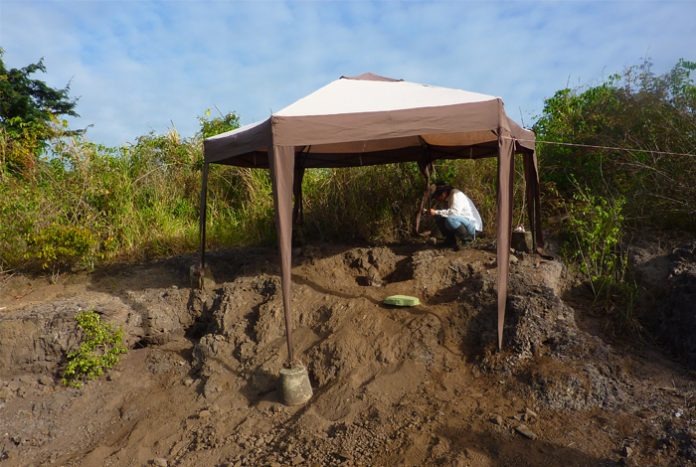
x=617, y=162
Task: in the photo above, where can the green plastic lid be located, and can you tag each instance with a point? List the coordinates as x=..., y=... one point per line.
x=401, y=300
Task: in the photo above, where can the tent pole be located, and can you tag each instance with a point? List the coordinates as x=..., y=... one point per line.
x=506, y=173
x=204, y=201
x=298, y=208
x=282, y=165
x=529, y=195
x=531, y=173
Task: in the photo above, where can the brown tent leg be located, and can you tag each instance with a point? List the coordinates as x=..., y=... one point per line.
x=506, y=172
x=531, y=173
x=282, y=165
x=298, y=208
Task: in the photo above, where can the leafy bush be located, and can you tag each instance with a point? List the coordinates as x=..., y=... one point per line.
x=621, y=178
x=643, y=114
x=215, y=126
x=594, y=234
x=59, y=246
x=593, y=238
x=100, y=349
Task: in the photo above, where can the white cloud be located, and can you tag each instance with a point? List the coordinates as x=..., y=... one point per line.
x=139, y=66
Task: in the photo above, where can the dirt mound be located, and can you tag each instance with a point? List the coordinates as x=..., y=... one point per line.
x=678, y=324
x=392, y=386
x=667, y=278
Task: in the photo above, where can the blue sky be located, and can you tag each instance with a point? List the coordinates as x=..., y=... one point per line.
x=139, y=66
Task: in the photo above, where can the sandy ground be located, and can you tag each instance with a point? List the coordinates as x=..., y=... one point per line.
x=392, y=386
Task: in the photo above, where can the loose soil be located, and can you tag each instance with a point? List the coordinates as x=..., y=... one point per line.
x=392, y=386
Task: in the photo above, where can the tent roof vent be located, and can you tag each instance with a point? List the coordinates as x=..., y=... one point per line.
x=370, y=77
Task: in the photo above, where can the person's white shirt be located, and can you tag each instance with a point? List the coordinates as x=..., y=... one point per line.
x=460, y=204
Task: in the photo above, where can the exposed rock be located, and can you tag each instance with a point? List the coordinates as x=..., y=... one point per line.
x=530, y=415
x=525, y=431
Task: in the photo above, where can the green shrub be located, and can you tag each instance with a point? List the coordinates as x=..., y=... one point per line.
x=61, y=246
x=595, y=229
x=593, y=238
x=625, y=128
x=100, y=349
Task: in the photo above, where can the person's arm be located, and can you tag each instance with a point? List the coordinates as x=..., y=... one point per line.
x=457, y=205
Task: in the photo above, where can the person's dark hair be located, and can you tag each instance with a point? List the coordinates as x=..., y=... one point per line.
x=440, y=189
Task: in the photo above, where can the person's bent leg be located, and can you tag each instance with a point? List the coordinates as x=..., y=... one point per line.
x=464, y=228
x=446, y=230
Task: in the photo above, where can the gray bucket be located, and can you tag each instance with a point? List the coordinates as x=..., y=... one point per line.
x=295, y=385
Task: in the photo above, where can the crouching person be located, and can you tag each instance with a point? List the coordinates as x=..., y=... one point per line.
x=460, y=220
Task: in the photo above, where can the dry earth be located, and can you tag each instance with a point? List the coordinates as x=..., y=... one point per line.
x=392, y=386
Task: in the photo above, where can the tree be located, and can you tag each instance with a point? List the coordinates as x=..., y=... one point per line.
x=30, y=112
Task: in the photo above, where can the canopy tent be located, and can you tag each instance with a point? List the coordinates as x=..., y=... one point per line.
x=367, y=120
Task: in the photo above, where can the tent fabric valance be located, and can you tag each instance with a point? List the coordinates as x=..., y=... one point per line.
x=368, y=120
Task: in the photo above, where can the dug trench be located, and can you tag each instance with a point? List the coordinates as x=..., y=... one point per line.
x=392, y=386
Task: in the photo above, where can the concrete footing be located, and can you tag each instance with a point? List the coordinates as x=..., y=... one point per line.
x=295, y=385
x=201, y=278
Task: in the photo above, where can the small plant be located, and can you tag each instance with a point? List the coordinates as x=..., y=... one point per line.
x=596, y=228
x=99, y=350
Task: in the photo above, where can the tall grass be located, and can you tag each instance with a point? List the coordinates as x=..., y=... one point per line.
x=379, y=204
x=88, y=204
